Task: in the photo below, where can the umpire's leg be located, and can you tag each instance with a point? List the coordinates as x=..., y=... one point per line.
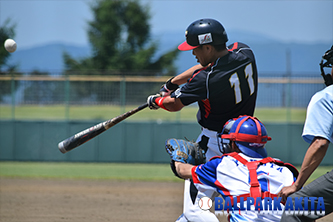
x=321, y=187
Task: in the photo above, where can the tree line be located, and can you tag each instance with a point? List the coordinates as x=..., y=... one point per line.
x=120, y=38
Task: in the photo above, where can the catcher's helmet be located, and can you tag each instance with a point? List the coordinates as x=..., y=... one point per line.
x=249, y=134
x=203, y=31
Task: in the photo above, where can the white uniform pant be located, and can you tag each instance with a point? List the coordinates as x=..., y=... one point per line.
x=213, y=145
x=192, y=211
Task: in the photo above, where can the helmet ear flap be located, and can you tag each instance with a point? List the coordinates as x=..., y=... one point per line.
x=226, y=146
x=227, y=126
x=226, y=143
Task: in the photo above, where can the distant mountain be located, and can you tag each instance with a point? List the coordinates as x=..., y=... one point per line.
x=47, y=57
x=271, y=55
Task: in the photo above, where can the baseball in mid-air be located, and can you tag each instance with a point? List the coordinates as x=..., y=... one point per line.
x=10, y=45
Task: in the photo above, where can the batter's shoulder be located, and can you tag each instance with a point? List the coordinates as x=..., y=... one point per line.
x=237, y=46
x=242, y=51
x=199, y=74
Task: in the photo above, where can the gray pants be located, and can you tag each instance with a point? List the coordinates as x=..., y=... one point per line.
x=321, y=187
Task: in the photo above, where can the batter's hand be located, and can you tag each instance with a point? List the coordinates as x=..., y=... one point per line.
x=286, y=191
x=168, y=88
x=152, y=103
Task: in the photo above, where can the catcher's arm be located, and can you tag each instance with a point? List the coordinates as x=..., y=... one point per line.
x=184, y=170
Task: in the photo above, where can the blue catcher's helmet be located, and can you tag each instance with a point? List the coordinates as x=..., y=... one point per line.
x=249, y=134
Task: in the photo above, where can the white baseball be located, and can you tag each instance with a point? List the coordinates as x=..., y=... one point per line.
x=205, y=203
x=10, y=45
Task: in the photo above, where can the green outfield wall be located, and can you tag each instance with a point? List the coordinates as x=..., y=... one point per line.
x=140, y=142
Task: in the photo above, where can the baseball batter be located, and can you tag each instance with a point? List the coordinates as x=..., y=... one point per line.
x=224, y=85
x=244, y=171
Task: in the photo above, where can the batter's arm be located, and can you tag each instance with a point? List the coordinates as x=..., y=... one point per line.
x=172, y=104
x=184, y=76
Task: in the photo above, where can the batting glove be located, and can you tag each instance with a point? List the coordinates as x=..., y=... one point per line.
x=152, y=103
x=168, y=88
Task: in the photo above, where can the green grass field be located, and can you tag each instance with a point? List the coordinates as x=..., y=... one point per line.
x=65, y=170
x=109, y=171
x=295, y=115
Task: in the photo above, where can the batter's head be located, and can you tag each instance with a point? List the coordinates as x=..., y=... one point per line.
x=203, y=31
x=249, y=134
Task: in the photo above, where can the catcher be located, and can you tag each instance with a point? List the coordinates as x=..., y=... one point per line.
x=241, y=171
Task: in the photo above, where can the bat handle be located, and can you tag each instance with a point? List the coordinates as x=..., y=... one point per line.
x=145, y=105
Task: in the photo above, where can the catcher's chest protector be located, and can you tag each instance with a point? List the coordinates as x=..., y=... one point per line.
x=255, y=190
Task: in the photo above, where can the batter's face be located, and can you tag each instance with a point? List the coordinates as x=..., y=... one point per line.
x=203, y=54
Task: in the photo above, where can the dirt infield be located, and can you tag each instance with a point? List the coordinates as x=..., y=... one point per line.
x=39, y=200
x=48, y=200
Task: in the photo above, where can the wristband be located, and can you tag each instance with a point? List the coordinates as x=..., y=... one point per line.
x=171, y=86
x=159, y=102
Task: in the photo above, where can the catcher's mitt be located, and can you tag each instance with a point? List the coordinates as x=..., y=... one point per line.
x=185, y=152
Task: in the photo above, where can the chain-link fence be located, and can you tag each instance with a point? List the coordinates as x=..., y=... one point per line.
x=290, y=92
x=42, y=91
x=77, y=90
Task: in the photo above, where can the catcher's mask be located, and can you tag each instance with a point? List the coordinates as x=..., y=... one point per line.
x=328, y=56
x=203, y=31
x=248, y=133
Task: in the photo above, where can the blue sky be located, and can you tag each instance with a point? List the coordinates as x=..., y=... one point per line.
x=43, y=21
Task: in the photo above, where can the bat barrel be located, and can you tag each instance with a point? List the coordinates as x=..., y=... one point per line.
x=87, y=134
x=81, y=137
x=62, y=147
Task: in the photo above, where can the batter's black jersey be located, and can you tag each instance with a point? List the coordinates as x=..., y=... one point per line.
x=224, y=90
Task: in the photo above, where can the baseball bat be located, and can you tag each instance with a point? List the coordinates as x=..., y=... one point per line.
x=87, y=134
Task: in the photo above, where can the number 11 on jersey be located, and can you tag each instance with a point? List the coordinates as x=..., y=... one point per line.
x=234, y=82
